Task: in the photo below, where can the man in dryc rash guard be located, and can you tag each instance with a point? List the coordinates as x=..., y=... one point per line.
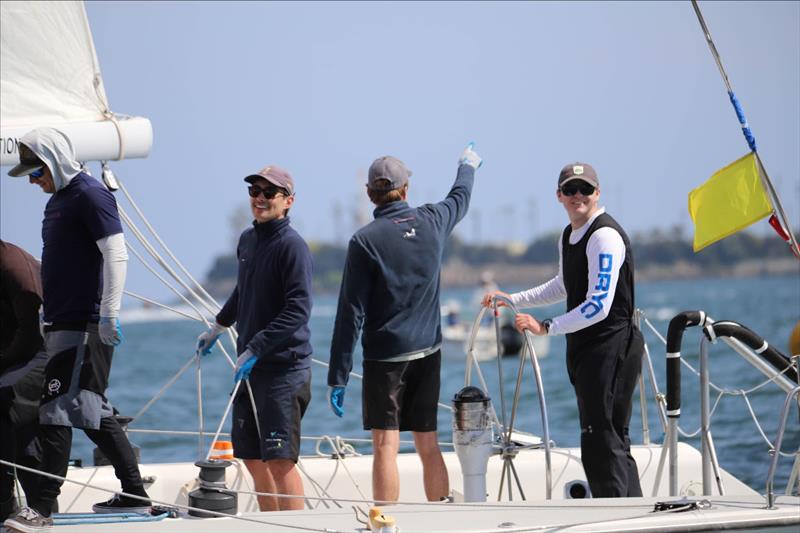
x=83, y=273
x=271, y=306
x=604, y=347
x=390, y=289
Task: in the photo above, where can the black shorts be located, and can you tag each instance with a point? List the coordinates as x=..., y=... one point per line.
x=281, y=400
x=402, y=395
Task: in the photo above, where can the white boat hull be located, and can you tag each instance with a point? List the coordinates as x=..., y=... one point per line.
x=741, y=507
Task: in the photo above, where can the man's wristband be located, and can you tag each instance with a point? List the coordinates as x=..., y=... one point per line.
x=546, y=323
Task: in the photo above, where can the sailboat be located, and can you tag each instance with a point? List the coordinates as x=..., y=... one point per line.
x=503, y=479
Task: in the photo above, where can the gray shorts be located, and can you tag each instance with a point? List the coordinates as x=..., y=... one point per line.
x=76, y=378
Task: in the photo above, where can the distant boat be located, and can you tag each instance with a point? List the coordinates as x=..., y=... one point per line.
x=456, y=338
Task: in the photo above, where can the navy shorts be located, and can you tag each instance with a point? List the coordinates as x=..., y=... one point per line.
x=281, y=400
x=402, y=395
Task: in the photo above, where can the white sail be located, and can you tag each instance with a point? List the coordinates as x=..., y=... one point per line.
x=50, y=76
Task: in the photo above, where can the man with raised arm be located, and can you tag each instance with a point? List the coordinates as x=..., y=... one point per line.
x=390, y=295
x=604, y=346
x=83, y=273
x=271, y=306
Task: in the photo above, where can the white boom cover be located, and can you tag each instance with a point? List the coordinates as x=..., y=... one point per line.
x=50, y=76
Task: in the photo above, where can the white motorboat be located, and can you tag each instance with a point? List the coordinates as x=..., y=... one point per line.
x=529, y=484
x=456, y=339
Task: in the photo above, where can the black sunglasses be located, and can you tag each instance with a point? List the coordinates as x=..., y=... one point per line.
x=573, y=187
x=269, y=193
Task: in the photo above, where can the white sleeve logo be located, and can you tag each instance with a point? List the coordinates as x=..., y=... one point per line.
x=595, y=305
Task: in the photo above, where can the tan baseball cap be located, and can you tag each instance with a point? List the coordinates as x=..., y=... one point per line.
x=276, y=176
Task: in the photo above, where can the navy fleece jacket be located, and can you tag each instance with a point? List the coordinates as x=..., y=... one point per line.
x=390, y=285
x=271, y=303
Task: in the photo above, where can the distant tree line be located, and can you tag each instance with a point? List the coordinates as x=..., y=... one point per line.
x=655, y=248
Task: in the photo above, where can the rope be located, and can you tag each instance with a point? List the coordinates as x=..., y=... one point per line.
x=113, y=119
x=158, y=502
x=162, y=306
x=178, y=293
x=157, y=275
x=166, y=248
x=169, y=383
x=224, y=416
x=479, y=505
x=340, y=461
x=160, y=260
x=344, y=447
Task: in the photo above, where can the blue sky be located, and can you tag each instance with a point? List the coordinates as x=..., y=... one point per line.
x=322, y=89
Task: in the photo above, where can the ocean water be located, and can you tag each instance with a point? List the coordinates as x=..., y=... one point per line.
x=153, y=352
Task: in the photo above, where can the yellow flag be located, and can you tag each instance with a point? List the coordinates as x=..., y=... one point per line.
x=731, y=199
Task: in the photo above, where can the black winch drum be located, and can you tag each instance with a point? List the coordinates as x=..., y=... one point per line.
x=212, y=495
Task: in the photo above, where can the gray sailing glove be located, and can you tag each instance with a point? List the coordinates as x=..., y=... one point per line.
x=207, y=339
x=109, y=331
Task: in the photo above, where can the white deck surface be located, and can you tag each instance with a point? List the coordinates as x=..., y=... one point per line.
x=623, y=514
x=740, y=507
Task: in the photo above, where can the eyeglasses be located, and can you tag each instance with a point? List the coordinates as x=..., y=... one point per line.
x=36, y=174
x=269, y=193
x=578, y=186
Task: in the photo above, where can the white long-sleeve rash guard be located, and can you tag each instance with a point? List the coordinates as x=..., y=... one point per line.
x=603, y=274
x=115, y=268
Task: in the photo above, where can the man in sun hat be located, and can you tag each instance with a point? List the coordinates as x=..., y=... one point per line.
x=390, y=291
x=83, y=273
x=604, y=346
x=271, y=306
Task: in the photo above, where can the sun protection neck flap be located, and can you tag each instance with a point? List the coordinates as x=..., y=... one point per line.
x=55, y=150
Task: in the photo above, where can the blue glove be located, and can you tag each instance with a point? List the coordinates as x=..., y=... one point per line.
x=469, y=157
x=244, y=365
x=208, y=338
x=336, y=396
x=109, y=331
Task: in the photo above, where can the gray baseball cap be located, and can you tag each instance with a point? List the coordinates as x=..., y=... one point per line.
x=387, y=173
x=276, y=176
x=578, y=171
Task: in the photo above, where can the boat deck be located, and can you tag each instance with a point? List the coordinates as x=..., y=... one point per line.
x=609, y=515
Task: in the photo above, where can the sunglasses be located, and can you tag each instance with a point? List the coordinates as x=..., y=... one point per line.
x=36, y=174
x=268, y=193
x=582, y=187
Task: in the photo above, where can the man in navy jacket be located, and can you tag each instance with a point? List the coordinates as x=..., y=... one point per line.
x=390, y=294
x=271, y=306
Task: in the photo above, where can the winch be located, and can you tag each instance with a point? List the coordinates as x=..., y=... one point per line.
x=472, y=438
x=212, y=494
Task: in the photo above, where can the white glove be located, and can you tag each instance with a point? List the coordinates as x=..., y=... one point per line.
x=109, y=331
x=207, y=339
x=469, y=157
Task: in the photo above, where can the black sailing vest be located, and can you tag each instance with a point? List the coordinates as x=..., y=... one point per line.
x=575, y=272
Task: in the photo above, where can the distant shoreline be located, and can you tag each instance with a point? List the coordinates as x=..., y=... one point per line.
x=459, y=274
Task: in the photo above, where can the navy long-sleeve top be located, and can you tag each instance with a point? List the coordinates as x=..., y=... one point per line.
x=391, y=281
x=271, y=303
